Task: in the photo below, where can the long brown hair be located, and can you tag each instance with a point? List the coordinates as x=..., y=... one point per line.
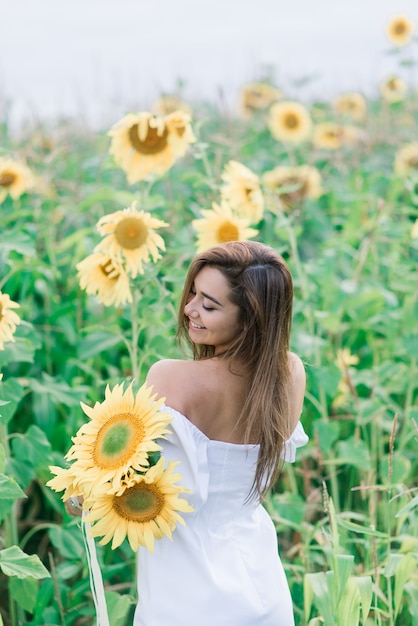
x=261, y=285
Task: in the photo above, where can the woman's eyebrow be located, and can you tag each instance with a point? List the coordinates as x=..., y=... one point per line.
x=205, y=295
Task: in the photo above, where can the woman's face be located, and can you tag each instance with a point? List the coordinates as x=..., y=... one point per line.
x=213, y=318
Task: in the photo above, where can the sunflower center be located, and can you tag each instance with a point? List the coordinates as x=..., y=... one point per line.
x=413, y=161
x=140, y=503
x=291, y=120
x=227, y=231
x=153, y=142
x=131, y=233
x=297, y=194
x=117, y=440
x=7, y=179
x=107, y=269
x=399, y=28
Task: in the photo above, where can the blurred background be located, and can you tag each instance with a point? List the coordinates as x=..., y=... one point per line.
x=97, y=59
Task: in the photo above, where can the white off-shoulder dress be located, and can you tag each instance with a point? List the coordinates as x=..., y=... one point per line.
x=223, y=568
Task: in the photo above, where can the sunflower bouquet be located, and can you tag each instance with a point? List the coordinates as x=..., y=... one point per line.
x=115, y=464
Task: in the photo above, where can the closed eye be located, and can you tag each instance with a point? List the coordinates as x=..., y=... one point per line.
x=208, y=308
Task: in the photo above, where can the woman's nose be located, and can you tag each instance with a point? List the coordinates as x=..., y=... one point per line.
x=190, y=307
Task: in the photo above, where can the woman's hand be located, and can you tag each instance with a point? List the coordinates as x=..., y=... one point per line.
x=74, y=506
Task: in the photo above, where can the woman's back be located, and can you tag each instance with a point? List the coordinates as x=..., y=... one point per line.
x=206, y=392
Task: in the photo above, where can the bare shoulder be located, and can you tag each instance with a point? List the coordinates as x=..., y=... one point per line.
x=163, y=375
x=297, y=387
x=297, y=369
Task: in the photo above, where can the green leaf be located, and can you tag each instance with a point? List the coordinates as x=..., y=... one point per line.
x=343, y=564
x=327, y=433
x=68, y=541
x=404, y=572
x=33, y=446
x=15, y=562
x=118, y=607
x=349, y=606
x=408, y=507
x=365, y=585
x=96, y=343
x=9, y=489
x=59, y=390
x=354, y=452
x=24, y=591
x=11, y=392
x=17, y=241
x=21, y=350
x=357, y=528
x=322, y=596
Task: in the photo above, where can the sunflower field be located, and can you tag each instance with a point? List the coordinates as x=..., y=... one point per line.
x=98, y=229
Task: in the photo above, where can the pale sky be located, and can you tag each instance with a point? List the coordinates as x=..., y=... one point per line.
x=100, y=58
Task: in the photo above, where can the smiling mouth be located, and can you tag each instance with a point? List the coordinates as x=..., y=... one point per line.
x=195, y=326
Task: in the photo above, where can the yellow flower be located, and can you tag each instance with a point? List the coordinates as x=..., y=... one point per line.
x=414, y=230
x=328, y=136
x=117, y=439
x=100, y=275
x=144, y=144
x=15, y=178
x=64, y=480
x=345, y=359
x=399, y=30
x=258, y=96
x=352, y=105
x=393, y=89
x=294, y=184
x=129, y=235
x=169, y=104
x=8, y=319
x=144, y=511
x=406, y=159
x=242, y=191
x=220, y=225
x=290, y=121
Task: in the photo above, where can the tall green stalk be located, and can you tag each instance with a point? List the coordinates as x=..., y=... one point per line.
x=11, y=534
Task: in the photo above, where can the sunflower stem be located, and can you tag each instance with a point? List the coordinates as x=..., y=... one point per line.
x=135, y=327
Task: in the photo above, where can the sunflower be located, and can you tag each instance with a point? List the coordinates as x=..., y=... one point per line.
x=144, y=511
x=15, y=178
x=220, y=225
x=129, y=236
x=64, y=480
x=352, y=105
x=399, y=30
x=345, y=359
x=258, y=97
x=8, y=319
x=242, y=191
x=117, y=439
x=406, y=159
x=169, y=104
x=290, y=121
x=393, y=89
x=328, y=136
x=294, y=184
x=144, y=144
x=99, y=274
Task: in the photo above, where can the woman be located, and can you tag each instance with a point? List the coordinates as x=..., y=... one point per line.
x=235, y=410
x=234, y=407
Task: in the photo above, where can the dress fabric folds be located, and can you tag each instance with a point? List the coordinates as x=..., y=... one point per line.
x=223, y=567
